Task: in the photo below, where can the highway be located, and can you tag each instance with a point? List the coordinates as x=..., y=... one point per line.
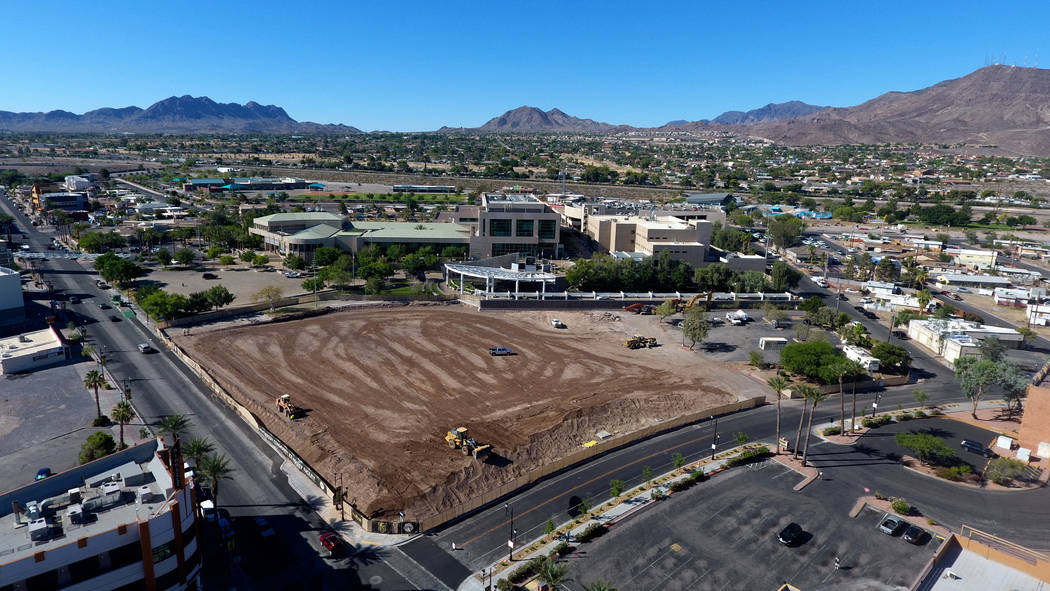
x=161, y=385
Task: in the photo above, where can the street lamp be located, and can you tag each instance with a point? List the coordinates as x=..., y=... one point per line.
x=510, y=541
x=714, y=442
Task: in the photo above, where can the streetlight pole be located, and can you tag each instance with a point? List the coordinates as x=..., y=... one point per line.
x=714, y=442
x=510, y=542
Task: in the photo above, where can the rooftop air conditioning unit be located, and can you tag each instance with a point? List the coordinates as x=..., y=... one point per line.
x=74, y=495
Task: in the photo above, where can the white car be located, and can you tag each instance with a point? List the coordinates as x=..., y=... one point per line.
x=867, y=301
x=557, y=323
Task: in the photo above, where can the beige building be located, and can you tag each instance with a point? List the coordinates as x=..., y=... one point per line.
x=686, y=240
x=952, y=339
x=515, y=223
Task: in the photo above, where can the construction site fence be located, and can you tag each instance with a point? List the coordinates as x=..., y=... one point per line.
x=580, y=456
x=1041, y=374
x=323, y=296
x=503, y=301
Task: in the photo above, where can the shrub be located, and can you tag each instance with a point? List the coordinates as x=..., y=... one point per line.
x=953, y=473
x=1002, y=470
x=835, y=430
x=880, y=496
x=904, y=416
x=527, y=570
x=901, y=506
x=748, y=456
x=919, y=414
x=874, y=422
x=504, y=585
x=561, y=549
x=100, y=422
x=930, y=449
x=593, y=531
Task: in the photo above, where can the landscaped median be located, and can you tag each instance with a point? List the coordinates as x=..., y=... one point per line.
x=594, y=522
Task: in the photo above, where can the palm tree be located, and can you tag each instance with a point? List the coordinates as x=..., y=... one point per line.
x=924, y=297
x=598, y=585
x=841, y=368
x=817, y=396
x=779, y=384
x=174, y=425
x=88, y=351
x=856, y=369
x=214, y=469
x=197, y=448
x=554, y=573
x=803, y=390
x=123, y=414
x=95, y=380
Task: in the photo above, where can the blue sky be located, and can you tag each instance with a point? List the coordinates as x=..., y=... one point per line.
x=419, y=65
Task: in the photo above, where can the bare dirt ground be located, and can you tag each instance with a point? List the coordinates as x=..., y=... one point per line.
x=383, y=385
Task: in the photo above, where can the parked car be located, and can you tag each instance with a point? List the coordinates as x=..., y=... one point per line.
x=962, y=290
x=891, y=525
x=145, y=348
x=500, y=351
x=115, y=318
x=867, y=300
x=914, y=534
x=42, y=473
x=331, y=543
x=977, y=448
x=209, y=276
x=103, y=306
x=265, y=531
x=790, y=534
x=956, y=297
x=293, y=275
x=74, y=300
x=557, y=323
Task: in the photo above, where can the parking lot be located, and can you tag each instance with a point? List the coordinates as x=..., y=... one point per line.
x=722, y=534
x=45, y=417
x=726, y=342
x=242, y=281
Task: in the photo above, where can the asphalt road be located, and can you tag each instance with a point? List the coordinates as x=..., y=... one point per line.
x=161, y=385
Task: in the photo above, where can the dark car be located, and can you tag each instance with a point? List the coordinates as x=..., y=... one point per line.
x=914, y=534
x=103, y=306
x=870, y=315
x=115, y=318
x=210, y=276
x=977, y=448
x=790, y=534
x=860, y=309
x=891, y=525
x=43, y=473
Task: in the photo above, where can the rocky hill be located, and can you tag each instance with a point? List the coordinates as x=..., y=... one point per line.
x=770, y=112
x=532, y=120
x=185, y=114
x=1004, y=106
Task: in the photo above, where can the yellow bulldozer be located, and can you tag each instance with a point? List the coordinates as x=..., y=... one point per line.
x=458, y=439
x=285, y=406
x=639, y=342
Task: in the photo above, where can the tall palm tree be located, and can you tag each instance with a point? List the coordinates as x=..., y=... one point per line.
x=598, y=585
x=554, y=573
x=123, y=414
x=856, y=369
x=196, y=448
x=88, y=351
x=174, y=425
x=214, y=469
x=803, y=390
x=840, y=369
x=95, y=380
x=924, y=297
x=817, y=396
x=779, y=384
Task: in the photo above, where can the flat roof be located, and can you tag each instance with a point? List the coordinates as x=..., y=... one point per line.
x=318, y=232
x=974, y=278
x=974, y=571
x=302, y=216
x=34, y=342
x=511, y=198
x=410, y=230
x=499, y=273
x=122, y=474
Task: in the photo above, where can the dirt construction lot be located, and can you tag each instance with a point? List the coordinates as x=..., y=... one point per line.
x=381, y=387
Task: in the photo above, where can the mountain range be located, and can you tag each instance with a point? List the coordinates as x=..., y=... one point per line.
x=183, y=114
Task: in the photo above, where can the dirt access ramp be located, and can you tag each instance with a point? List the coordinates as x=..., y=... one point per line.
x=382, y=386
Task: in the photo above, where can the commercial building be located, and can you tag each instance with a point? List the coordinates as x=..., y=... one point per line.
x=301, y=234
x=32, y=350
x=952, y=339
x=10, y=290
x=1038, y=313
x=65, y=201
x=217, y=185
x=515, y=223
x=709, y=199
x=972, y=258
x=79, y=182
x=685, y=240
x=974, y=281
x=125, y=522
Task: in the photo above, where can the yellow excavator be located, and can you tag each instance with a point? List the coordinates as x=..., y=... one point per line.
x=285, y=406
x=458, y=439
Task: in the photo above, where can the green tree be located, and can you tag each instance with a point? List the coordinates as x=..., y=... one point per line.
x=226, y=260
x=815, y=397
x=695, y=327
x=678, y=460
x=647, y=473
x=666, y=309
x=271, y=294
x=260, y=260
x=785, y=230
x=1027, y=335
x=95, y=380
x=554, y=573
x=1002, y=470
x=122, y=414
x=214, y=469
x=975, y=375
x=992, y=349
x=585, y=505
x=809, y=359
x=921, y=396
x=811, y=304
x=1014, y=382
x=185, y=256
x=160, y=304
x=924, y=297
x=756, y=360
x=549, y=527
x=218, y=296
x=929, y=449
x=616, y=487
x=295, y=263
x=174, y=425
x=163, y=257
x=195, y=449
x=314, y=284
x=98, y=445
x=893, y=358
x=326, y=255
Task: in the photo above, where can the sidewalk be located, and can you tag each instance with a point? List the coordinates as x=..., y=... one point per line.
x=108, y=398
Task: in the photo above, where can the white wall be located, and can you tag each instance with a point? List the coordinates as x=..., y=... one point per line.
x=10, y=289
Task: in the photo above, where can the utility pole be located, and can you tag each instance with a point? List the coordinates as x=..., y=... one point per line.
x=714, y=442
x=889, y=335
x=510, y=542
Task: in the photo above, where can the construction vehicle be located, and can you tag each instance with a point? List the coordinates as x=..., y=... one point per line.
x=285, y=406
x=638, y=342
x=639, y=308
x=700, y=297
x=458, y=439
x=737, y=318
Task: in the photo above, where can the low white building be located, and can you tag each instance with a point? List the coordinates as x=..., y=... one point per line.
x=10, y=290
x=955, y=338
x=1013, y=297
x=1038, y=314
x=881, y=287
x=32, y=350
x=974, y=281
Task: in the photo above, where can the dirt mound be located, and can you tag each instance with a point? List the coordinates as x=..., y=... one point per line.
x=381, y=387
